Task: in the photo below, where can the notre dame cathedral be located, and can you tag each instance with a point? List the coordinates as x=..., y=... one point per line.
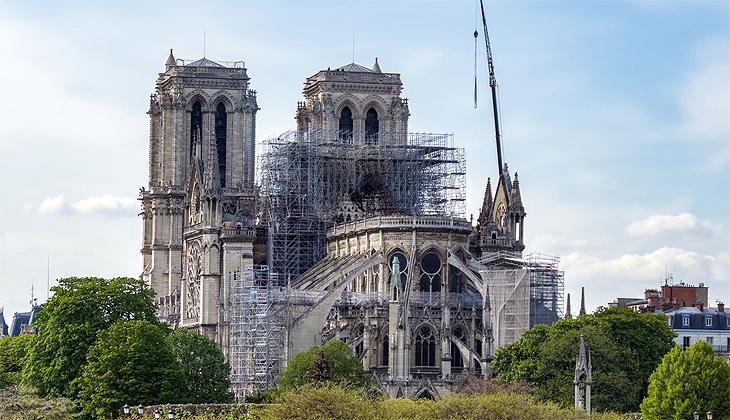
x=349, y=227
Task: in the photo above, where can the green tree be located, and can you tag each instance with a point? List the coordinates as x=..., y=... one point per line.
x=687, y=381
x=340, y=365
x=13, y=351
x=625, y=348
x=204, y=366
x=68, y=325
x=131, y=363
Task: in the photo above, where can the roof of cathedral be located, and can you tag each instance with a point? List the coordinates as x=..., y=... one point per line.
x=356, y=68
x=204, y=62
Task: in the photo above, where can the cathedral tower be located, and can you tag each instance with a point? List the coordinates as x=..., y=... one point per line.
x=201, y=178
x=358, y=104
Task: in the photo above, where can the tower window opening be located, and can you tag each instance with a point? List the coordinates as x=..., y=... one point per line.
x=196, y=122
x=221, y=122
x=345, y=127
x=372, y=126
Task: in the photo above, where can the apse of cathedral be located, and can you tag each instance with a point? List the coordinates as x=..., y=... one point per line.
x=354, y=229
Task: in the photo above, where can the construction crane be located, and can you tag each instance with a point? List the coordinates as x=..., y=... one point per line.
x=492, y=86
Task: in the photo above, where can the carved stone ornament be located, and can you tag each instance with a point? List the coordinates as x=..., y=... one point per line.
x=193, y=266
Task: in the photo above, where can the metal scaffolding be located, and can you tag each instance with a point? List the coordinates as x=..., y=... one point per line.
x=313, y=180
x=525, y=292
x=257, y=330
x=547, y=284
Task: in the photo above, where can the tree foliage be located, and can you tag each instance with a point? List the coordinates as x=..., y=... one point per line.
x=131, y=363
x=68, y=326
x=687, y=381
x=335, y=361
x=625, y=348
x=204, y=366
x=330, y=402
x=13, y=351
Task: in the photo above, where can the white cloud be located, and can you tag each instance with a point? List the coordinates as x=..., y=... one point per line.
x=629, y=274
x=681, y=224
x=51, y=205
x=106, y=204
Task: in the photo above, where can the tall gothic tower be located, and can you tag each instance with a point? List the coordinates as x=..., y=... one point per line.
x=199, y=203
x=358, y=104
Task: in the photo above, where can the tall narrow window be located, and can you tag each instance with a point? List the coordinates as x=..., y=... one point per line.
x=346, y=125
x=196, y=122
x=385, y=351
x=430, y=280
x=372, y=126
x=221, y=121
x=425, y=347
x=456, y=360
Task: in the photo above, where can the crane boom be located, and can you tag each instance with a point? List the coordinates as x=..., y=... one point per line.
x=493, y=87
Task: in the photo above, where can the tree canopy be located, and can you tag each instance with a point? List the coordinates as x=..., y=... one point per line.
x=687, y=381
x=68, y=326
x=204, y=366
x=335, y=361
x=131, y=363
x=12, y=357
x=625, y=348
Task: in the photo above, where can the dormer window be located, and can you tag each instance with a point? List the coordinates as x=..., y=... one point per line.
x=685, y=321
x=708, y=321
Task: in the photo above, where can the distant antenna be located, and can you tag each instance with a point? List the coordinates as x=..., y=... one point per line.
x=203, y=43
x=353, y=48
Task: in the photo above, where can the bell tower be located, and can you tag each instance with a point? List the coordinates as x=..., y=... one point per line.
x=355, y=104
x=201, y=179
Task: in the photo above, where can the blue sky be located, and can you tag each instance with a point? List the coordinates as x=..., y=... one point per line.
x=616, y=114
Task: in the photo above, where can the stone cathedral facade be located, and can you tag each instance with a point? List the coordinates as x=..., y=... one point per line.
x=404, y=289
x=199, y=204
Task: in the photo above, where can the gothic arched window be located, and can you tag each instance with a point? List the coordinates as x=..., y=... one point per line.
x=221, y=122
x=372, y=126
x=196, y=122
x=386, y=349
x=358, y=340
x=346, y=125
x=456, y=359
x=430, y=280
x=425, y=347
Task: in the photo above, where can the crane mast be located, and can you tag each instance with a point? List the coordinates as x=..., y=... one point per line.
x=493, y=87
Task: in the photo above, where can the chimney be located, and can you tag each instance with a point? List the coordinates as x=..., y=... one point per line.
x=698, y=305
x=675, y=306
x=720, y=307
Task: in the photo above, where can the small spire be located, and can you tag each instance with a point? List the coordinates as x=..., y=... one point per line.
x=516, y=196
x=486, y=210
x=376, y=67
x=582, y=301
x=170, y=60
x=568, y=315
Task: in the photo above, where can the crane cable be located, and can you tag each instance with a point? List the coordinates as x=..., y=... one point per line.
x=476, y=35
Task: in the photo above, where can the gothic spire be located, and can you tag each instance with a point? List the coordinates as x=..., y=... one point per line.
x=582, y=301
x=376, y=67
x=582, y=379
x=516, y=197
x=486, y=211
x=568, y=315
x=170, y=61
x=211, y=175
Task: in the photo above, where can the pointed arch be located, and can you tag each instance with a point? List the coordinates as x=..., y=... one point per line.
x=372, y=126
x=424, y=344
x=221, y=134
